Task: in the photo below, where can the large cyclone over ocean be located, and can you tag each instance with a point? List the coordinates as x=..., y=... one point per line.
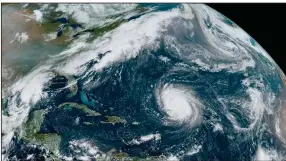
x=137, y=82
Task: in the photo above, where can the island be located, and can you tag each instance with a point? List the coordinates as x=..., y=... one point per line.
x=114, y=120
x=84, y=108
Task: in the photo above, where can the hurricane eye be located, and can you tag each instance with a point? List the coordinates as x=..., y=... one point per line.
x=180, y=104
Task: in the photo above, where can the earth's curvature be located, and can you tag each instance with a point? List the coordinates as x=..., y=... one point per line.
x=139, y=82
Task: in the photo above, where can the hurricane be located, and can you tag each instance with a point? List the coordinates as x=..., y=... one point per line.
x=137, y=82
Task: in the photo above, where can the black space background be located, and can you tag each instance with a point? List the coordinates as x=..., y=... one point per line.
x=265, y=22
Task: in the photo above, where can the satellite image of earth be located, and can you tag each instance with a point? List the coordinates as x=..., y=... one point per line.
x=158, y=82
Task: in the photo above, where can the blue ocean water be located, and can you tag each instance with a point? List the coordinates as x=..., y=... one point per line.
x=128, y=90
